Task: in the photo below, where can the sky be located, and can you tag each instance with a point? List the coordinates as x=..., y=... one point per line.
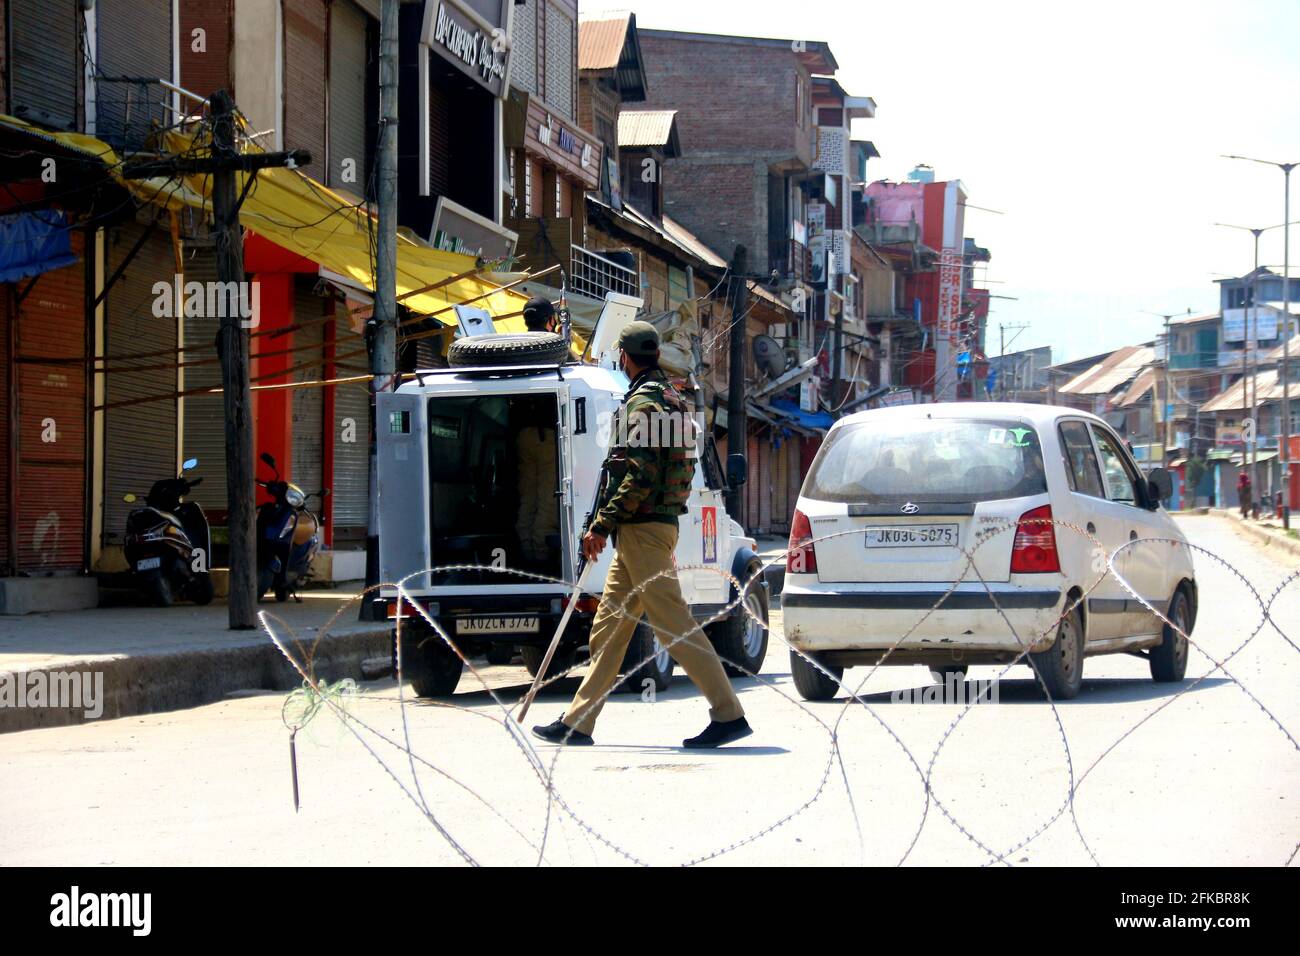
x=1094, y=130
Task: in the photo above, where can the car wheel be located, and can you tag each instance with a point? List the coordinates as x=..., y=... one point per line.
x=429, y=664
x=740, y=640
x=658, y=663
x=1168, y=659
x=810, y=682
x=1060, y=667
x=560, y=663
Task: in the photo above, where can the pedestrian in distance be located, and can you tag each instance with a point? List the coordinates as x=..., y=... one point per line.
x=647, y=485
x=1245, y=493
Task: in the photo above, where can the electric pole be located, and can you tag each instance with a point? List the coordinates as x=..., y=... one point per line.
x=383, y=321
x=736, y=425
x=223, y=164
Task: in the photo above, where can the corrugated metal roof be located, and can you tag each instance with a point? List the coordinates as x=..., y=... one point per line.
x=646, y=127
x=1193, y=319
x=601, y=42
x=1144, y=383
x=1110, y=373
x=684, y=237
x=1267, y=389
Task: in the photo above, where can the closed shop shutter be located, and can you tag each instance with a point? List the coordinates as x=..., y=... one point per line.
x=308, y=403
x=133, y=38
x=559, y=62
x=204, y=418
x=751, y=487
x=347, y=96
x=439, y=139
x=139, y=440
x=304, y=81
x=350, y=488
x=6, y=299
x=780, y=484
x=51, y=506
x=46, y=68
x=765, y=490
x=205, y=73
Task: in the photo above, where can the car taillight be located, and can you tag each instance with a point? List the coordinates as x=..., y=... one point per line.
x=1034, y=550
x=800, y=558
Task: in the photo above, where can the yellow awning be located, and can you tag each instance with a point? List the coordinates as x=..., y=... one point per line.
x=309, y=219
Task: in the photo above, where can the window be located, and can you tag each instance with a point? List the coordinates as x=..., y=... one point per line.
x=928, y=460
x=1120, y=485
x=1080, y=460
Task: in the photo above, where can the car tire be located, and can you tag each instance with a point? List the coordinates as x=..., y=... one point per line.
x=508, y=348
x=533, y=655
x=1168, y=659
x=810, y=682
x=739, y=641
x=1060, y=667
x=658, y=663
x=429, y=664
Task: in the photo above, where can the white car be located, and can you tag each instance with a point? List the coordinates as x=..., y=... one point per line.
x=962, y=533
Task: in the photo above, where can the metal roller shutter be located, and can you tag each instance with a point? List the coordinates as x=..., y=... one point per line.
x=45, y=66
x=347, y=95
x=350, y=487
x=139, y=440
x=51, y=506
x=204, y=418
x=5, y=438
x=304, y=81
x=133, y=38
x=308, y=403
x=560, y=38
x=439, y=139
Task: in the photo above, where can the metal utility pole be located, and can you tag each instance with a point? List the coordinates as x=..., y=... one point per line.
x=222, y=165
x=1285, y=438
x=1169, y=395
x=383, y=321
x=1251, y=335
x=736, y=425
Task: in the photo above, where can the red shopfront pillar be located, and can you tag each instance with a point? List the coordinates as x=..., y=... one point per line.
x=272, y=359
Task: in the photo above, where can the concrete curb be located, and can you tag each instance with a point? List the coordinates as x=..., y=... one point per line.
x=148, y=683
x=1267, y=536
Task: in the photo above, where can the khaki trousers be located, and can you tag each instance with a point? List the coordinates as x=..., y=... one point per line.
x=644, y=550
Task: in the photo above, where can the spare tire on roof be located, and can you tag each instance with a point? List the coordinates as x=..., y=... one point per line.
x=509, y=348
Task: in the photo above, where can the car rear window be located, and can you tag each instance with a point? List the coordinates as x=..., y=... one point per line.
x=911, y=459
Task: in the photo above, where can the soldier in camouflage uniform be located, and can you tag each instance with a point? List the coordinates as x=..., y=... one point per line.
x=650, y=466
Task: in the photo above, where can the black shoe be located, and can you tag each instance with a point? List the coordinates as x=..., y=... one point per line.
x=560, y=733
x=719, y=733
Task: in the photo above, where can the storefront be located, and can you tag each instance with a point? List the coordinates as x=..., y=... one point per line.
x=455, y=68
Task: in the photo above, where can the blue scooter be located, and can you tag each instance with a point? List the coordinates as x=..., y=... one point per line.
x=288, y=536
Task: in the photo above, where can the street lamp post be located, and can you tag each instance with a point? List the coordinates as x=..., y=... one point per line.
x=1251, y=334
x=1285, y=439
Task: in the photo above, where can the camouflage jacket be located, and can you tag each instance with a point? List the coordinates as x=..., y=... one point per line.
x=651, y=460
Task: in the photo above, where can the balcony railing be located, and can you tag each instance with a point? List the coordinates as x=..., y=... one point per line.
x=594, y=275
x=790, y=258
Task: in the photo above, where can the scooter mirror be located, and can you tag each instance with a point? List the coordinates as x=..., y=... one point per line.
x=324, y=492
x=128, y=498
x=266, y=457
x=189, y=464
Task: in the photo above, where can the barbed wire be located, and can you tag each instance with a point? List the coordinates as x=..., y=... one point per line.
x=415, y=630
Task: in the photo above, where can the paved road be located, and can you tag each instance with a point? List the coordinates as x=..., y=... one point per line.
x=1208, y=778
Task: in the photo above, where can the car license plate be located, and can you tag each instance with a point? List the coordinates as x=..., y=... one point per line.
x=147, y=564
x=912, y=536
x=496, y=625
